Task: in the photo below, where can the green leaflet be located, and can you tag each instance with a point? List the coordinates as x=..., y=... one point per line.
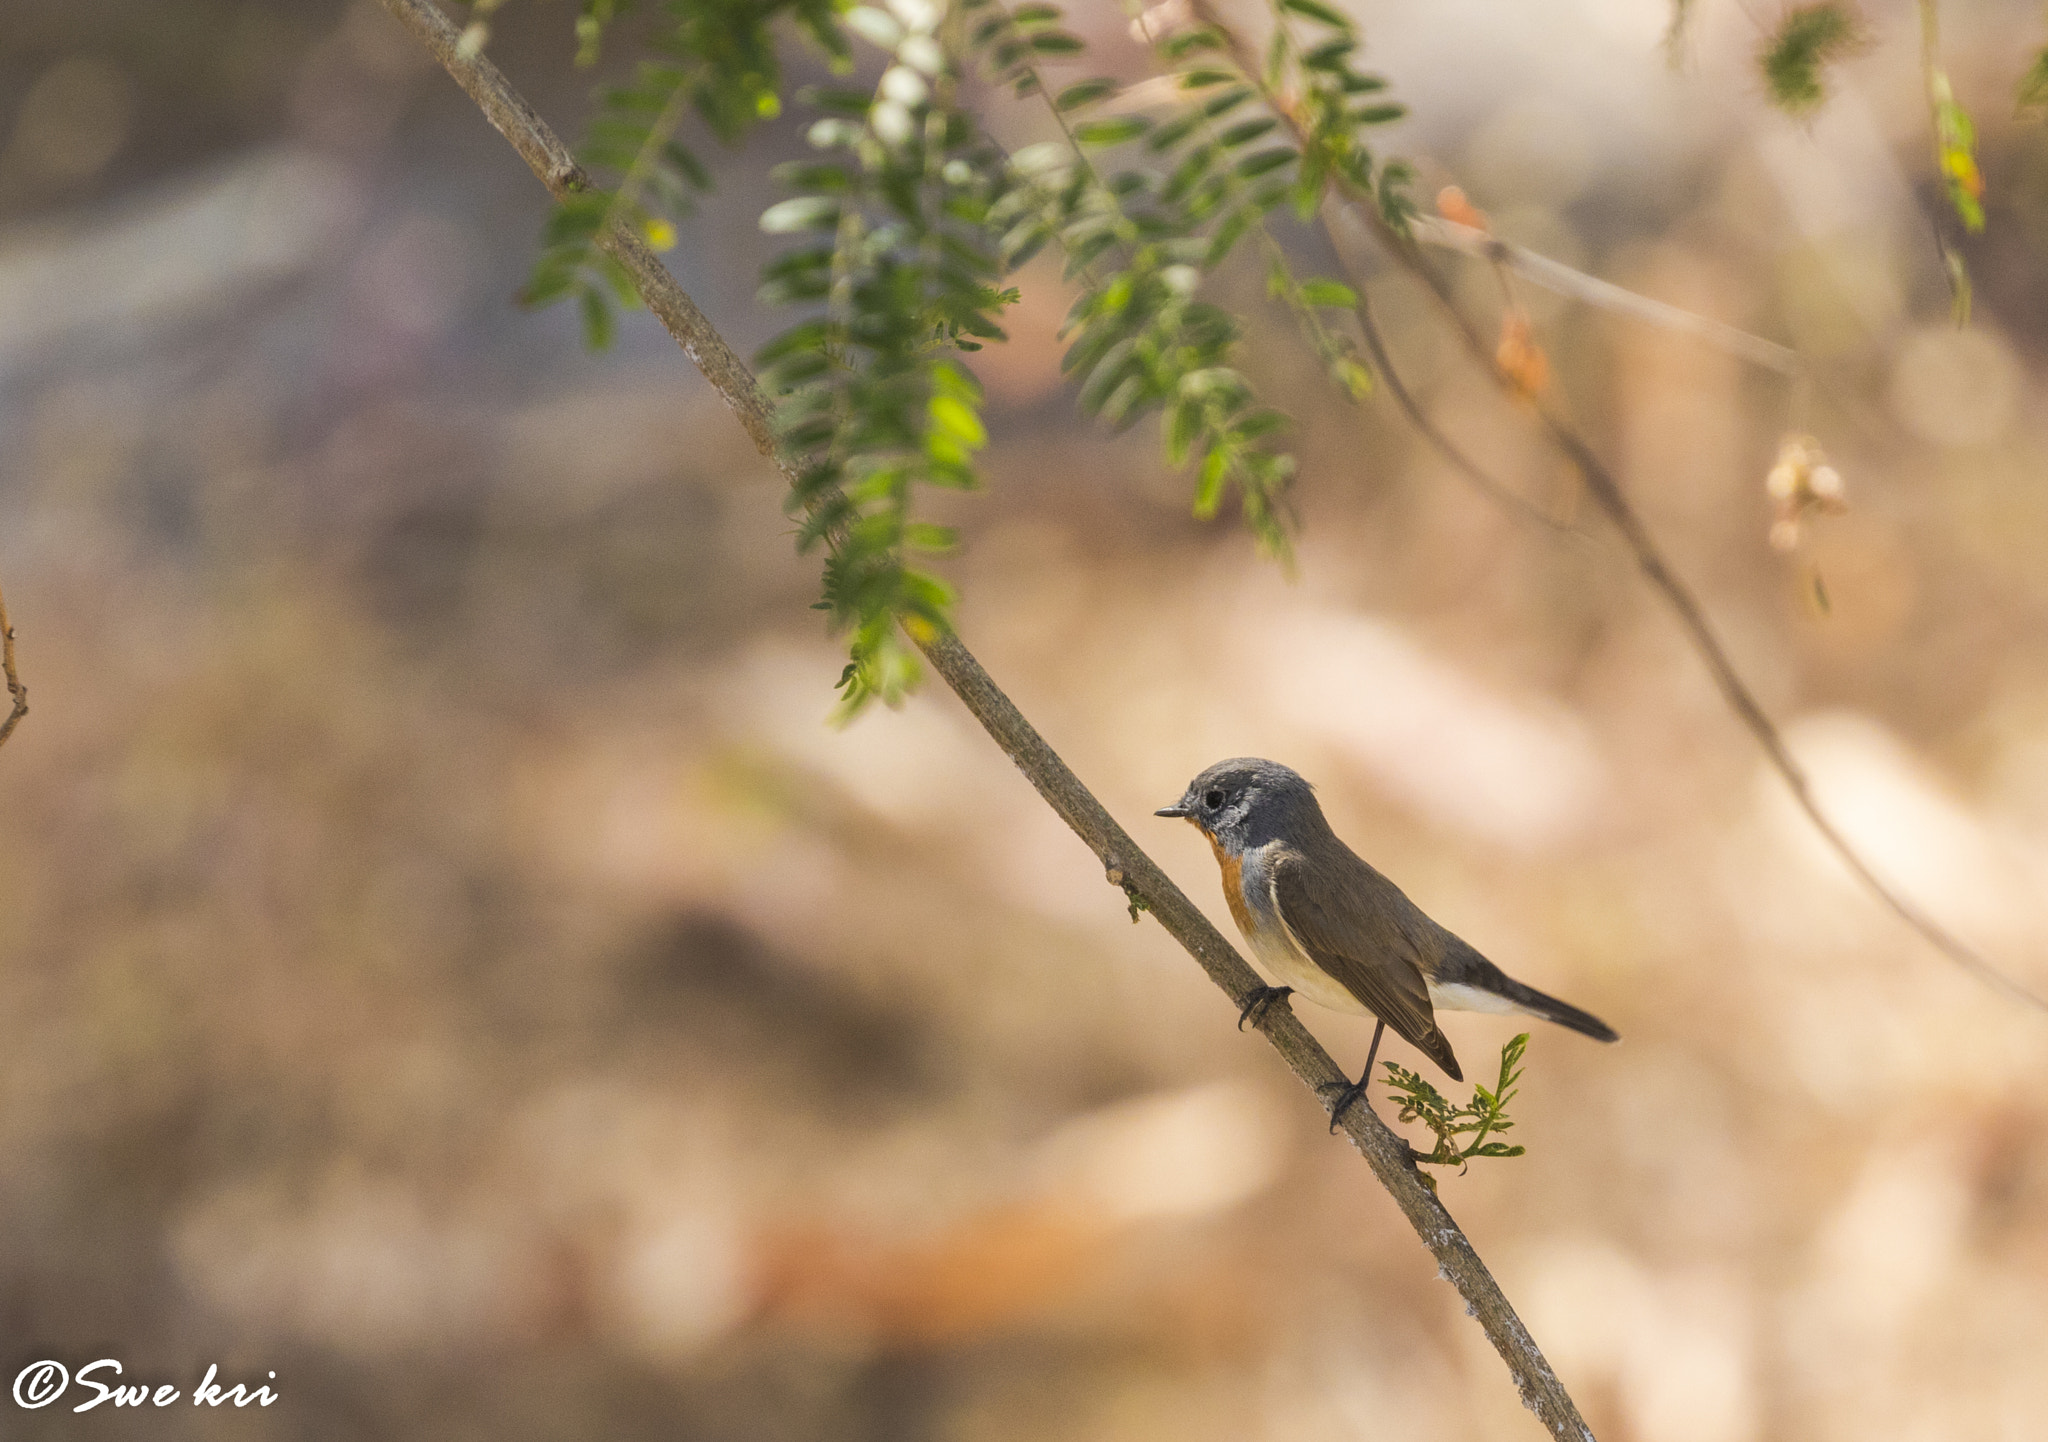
x=1139, y=240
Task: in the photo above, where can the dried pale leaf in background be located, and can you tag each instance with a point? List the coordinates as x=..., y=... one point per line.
x=1520, y=359
x=1452, y=205
x=1800, y=484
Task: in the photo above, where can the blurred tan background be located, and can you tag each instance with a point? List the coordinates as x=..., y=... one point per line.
x=447, y=959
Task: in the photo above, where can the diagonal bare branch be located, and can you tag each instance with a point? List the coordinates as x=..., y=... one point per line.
x=1124, y=862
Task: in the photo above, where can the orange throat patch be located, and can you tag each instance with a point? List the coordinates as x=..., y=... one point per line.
x=1233, y=888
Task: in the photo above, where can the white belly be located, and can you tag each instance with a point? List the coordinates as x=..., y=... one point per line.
x=1289, y=965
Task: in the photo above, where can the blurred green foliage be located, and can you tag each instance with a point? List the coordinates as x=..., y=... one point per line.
x=1809, y=38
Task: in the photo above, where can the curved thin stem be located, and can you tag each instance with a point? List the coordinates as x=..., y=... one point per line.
x=1607, y=493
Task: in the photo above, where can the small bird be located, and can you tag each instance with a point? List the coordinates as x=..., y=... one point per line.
x=1329, y=926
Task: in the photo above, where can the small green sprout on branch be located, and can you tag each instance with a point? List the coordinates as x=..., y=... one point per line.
x=1486, y=1115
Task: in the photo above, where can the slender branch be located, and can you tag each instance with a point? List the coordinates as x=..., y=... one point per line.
x=15, y=690
x=1125, y=863
x=1560, y=278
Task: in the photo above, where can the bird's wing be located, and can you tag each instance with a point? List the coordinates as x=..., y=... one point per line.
x=1351, y=930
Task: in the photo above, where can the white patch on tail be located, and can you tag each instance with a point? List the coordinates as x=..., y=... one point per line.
x=1456, y=996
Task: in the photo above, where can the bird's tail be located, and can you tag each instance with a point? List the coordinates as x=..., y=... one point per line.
x=1467, y=981
x=1548, y=1007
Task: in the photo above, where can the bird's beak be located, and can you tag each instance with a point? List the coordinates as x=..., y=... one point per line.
x=1176, y=810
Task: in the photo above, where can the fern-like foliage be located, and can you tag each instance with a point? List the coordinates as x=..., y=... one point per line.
x=902, y=271
x=910, y=217
x=1461, y=1131
x=1338, y=104
x=716, y=60
x=1334, y=108
x=1140, y=240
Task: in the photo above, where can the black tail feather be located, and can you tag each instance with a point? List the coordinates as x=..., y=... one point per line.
x=1562, y=1012
x=1464, y=966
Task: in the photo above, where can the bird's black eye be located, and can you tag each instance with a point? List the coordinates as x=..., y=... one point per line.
x=1212, y=799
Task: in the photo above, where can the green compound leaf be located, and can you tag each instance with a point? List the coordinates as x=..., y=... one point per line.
x=866, y=385
x=1484, y=1116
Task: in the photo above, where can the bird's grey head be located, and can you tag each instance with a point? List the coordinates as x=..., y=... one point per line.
x=1246, y=802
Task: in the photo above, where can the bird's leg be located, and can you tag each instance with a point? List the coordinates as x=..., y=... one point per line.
x=1353, y=1093
x=1254, y=1009
x=1373, y=1050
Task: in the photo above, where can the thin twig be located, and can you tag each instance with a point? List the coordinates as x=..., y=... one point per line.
x=1124, y=862
x=1607, y=493
x=1609, y=496
x=15, y=690
x=1557, y=277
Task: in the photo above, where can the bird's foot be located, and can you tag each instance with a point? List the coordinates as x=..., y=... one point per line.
x=1350, y=1094
x=1255, y=1007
